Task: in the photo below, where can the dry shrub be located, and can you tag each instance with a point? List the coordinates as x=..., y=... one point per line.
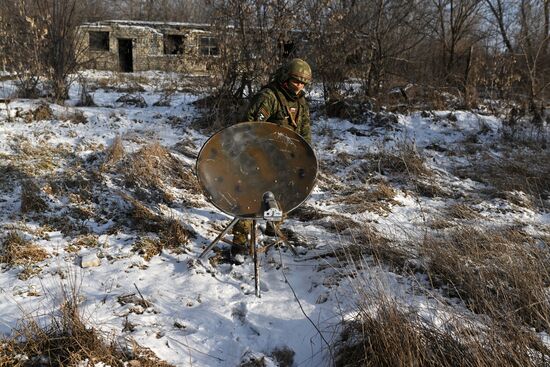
x=131, y=99
x=430, y=188
x=522, y=170
x=142, y=216
x=174, y=235
x=31, y=201
x=284, y=356
x=500, y=272
x=42, y=112
x=405, y=160
x=153, y=167
x=329, y=181
x=15, y=250
x=148, y=247
x=387, y=335
x=67, y=341
x=85, y=241
x=219, y=110
x=462, y=211
x=77, y=117
x=377, y=199
x=114, y=152
x=307, y=213
x=363, y=240
x=187, y=147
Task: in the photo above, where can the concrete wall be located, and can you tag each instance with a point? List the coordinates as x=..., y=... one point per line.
x=147, y=46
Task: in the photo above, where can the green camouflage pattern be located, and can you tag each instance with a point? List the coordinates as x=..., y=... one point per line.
x=299, y=70
x=277, y=105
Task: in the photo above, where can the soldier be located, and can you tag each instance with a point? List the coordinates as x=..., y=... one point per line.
x=282, y=102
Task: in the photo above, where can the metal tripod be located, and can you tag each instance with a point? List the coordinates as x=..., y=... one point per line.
x=272, y=214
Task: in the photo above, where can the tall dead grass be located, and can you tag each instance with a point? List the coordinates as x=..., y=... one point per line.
x=153, y=167
x=526, y=170
x=384, y=333
x=66, y=340
x=501, y=272
x=114, y=152
x=405, y=159
x=15, y=250
x=377, y=198
x=31, y=200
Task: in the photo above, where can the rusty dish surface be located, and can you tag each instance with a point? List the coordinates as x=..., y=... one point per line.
x=238, y=164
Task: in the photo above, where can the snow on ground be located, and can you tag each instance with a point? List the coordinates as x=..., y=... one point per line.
x=205, y=315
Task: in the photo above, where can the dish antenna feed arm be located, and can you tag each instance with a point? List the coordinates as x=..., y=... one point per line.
x=256, y=171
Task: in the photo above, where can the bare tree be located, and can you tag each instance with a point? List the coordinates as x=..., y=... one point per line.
x=456, y=29
x=41, y=42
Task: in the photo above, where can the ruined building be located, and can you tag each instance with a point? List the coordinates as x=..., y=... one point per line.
x=129, y=46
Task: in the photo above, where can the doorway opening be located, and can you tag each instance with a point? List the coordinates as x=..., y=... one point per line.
x=125, y=57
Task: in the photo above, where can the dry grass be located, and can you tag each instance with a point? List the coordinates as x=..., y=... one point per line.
x=148, y=247
x=462, y=211
x=31, y=201
x=154, y=168
x=404, y=160
x=74, y=116
x=172, y=236
x=377, y=199
x=66, y=340
x=42, y=112
x=363, y=240
x=525, y=170
x=501, y=272
x=15, y=250
x=384, y=334
x=172, y=233
x=429, y=188
x=114, y=153
x=84, y=241
x=144, y=218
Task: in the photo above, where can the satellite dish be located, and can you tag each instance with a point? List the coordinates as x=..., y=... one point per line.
x=242, y=162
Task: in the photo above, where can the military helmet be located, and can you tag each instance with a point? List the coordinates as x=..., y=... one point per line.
x=297, y=69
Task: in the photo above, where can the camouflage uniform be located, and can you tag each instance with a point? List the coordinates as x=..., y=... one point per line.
x=274, y=103
x=277, y=103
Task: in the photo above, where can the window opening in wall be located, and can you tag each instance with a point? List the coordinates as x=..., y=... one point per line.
x=209, y=46
x=173, y=44
x=99, y=41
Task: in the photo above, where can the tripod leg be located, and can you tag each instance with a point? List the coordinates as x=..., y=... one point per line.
x=220, y=236
x=254, y=246
x=284, y=239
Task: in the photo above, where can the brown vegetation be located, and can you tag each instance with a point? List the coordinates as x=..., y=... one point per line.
x=15, y=250
x=153, y=167
x=114, y=153
x=501, y=272
x=406, y=160
x=386, y=334
x=377, y=199
x=66, y=340
x=524, y=170
x=31, y=201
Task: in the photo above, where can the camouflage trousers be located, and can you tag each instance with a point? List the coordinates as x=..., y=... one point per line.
x=243, y=227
